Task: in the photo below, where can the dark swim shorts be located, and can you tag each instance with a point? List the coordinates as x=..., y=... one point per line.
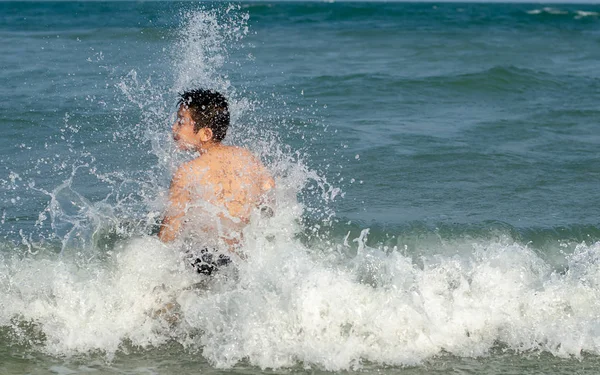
x=208, y=262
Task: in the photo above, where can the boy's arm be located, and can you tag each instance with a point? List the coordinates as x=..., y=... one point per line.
x=178, y=200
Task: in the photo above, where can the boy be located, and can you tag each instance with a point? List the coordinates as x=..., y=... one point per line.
x=213, y=195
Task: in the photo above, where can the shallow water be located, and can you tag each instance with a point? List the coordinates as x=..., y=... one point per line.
x=437, y=173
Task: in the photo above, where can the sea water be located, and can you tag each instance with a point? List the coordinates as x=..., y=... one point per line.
x=437, y=173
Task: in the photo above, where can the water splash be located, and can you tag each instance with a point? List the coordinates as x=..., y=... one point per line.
x=108, y=280
x=202, y=48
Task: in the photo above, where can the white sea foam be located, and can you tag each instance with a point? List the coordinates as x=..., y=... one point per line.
x=583, y=14
x=287, y=304
x=548, y=10
x=578, y=14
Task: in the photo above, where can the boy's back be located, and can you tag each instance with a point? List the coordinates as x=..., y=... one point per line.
x=228, y=177
x=216, y=192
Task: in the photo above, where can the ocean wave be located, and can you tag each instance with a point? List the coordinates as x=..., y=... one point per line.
x=414, y=16
x=491, y=80
x=419, y=238
x=286, y=305
x=582, y=14
x=576, y=14
x=547, y=10
x=504, y=78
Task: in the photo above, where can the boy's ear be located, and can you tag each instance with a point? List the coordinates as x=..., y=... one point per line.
x=206, y=134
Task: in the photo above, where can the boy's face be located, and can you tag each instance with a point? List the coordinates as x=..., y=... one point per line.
x=184, y=134
x=183, y=130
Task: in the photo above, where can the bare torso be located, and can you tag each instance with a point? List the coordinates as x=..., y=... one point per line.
x=217, y=193
x=229, y=177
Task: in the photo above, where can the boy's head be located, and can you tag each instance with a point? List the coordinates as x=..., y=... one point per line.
x=208, y=109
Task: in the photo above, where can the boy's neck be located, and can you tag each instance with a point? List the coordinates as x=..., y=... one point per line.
x=209, y=146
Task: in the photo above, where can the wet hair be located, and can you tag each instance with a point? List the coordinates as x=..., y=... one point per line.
x=208, y=109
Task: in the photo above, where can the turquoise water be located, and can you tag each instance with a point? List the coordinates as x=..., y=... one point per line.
x=437, y=173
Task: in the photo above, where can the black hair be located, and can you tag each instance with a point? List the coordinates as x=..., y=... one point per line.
x=208, y=109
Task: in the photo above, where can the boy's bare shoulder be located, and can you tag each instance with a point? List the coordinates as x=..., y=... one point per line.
x=188, y=171
x=240, y=151
x=241, y=155
x=191, y=166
